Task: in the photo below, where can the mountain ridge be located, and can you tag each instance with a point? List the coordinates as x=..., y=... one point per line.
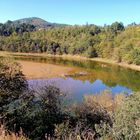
x=38, y=22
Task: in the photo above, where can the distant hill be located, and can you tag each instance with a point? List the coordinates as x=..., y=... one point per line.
x=38, y=22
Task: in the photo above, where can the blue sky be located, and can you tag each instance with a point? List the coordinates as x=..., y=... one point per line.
x=98, y=12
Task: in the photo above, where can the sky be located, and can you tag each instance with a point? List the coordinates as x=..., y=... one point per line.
x=97, y=12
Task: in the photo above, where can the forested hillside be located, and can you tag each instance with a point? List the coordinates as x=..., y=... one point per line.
x=38, y=22
x=9, y=28
x=114, y=41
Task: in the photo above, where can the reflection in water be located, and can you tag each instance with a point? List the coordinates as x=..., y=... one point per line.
x=77, y=88
x=100, y=76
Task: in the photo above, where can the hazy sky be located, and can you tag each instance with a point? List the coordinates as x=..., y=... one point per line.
x=98, y=12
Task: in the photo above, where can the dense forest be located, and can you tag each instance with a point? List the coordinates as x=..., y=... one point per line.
x=113, y=41
x=10, y=28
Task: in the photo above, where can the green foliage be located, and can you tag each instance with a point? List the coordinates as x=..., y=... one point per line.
x=9, y=28
x=91, y=52
x=37, y=116
x=127, y=119
x=114, y=42
x=20, y=108
x=11, y=79
x=134, y=56
x=38, y=23
x=116, y=26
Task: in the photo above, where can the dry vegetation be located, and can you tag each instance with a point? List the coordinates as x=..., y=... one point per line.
x=5, y=135
x=106, y=100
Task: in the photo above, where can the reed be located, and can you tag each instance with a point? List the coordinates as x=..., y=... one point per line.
x=6, y=135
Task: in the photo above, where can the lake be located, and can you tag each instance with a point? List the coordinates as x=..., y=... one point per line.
x=93, y=77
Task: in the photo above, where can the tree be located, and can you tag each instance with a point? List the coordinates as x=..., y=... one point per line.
x=116, y=26
x=91, y=52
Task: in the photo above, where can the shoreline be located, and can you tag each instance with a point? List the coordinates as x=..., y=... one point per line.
x=74, y=57
x=36, y=70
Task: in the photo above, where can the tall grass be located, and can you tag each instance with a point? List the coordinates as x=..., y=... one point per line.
x=6, y=135
x=106, y=100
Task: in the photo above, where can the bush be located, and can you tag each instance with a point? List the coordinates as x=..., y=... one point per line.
x=126, y=124
x=37, y=116
x=133, y=57
x=91, y=52
x=82, y=121
x=36, y=112
x=12, y=81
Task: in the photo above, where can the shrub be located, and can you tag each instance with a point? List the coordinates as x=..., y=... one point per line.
x=126, y=124
x=106, y=100
x=12, y=81
x=84, y=118
x=91, y=52
x=36, y=112
x=36, y=115
x=133, y=57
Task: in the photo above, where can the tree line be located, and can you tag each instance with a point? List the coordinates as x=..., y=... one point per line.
x=10, y=28
x=113, y=41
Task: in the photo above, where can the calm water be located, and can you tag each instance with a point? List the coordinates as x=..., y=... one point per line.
x=100, y=76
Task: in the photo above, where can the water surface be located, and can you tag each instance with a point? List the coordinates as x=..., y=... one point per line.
x=99, y=77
